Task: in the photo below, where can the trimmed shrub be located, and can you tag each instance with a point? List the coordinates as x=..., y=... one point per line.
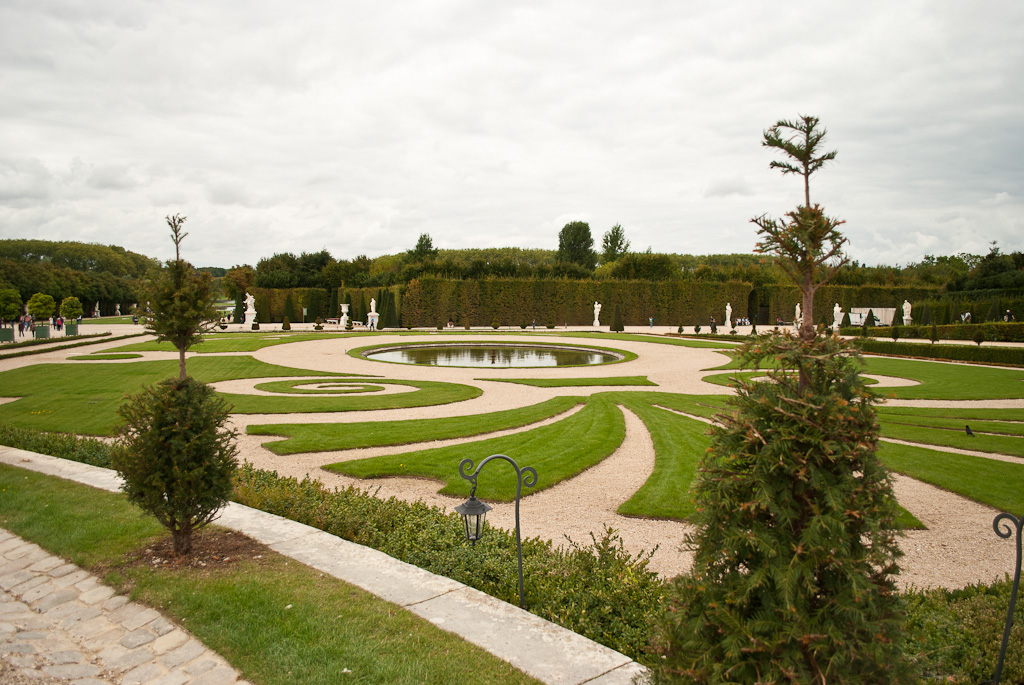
x=176, y=456
x=794, y=534
x=1006, y=356
x=286, y=325
x=617, y=325
x=979, y=336
x=596, y=589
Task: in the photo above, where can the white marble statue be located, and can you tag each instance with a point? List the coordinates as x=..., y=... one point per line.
x=837, y=316
x=798, y=317
x=250, y=308
x=96, y=310
x=372, y=317
x=117, y=309
x=597, y=313
x=728, y=315
x=906, y=313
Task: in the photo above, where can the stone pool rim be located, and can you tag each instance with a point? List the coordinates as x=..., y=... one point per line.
x=620, y=355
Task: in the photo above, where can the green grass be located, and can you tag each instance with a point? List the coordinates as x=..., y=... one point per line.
x=937, y=381
x=679, y=444
x=237, y=342
x=575, y=382
x=948, y=381
x=991, y=482
x=106, y=320
x=660, y=340
x=981, y=442
x=426, y=393
x=558, y=451
x=338, y=386
x=322, y=437
x=83, y=398
x=99, y=356
x=241, y=610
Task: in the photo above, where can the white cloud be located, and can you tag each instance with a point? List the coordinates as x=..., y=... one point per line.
x=357, y=127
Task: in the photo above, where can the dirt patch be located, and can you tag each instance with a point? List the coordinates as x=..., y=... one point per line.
x=212, y=548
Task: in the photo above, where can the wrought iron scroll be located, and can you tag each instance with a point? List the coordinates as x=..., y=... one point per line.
x=1005, y=531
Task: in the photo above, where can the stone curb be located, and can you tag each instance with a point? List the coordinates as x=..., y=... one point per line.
x=537, y=647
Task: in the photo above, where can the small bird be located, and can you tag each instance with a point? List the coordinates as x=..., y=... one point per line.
x=970, y=433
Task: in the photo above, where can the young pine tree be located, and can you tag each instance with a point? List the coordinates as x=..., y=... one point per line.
x=794, y=533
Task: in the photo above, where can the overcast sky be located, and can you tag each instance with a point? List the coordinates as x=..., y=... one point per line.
x=357, y=126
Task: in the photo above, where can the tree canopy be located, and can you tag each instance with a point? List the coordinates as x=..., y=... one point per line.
x=576, y=245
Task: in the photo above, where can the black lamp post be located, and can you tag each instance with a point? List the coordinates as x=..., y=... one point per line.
x=474, y=512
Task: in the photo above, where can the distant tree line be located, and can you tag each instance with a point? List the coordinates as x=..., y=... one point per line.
x=107, y=274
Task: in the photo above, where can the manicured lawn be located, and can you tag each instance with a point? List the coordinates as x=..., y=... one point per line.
x=948, y=381
x=323, y=437
x=679, y=444
x=274, y=619
x=326, y=386
x=99, y=356
x=558, y=451
x=426, y=393
x=981, y=442
x=991, y=482
x=937, y=381
x=83, y=398
x=238, y=342
x=575, y=382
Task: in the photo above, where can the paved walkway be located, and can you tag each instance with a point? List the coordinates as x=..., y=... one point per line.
x=59, y=624
x=113, y=641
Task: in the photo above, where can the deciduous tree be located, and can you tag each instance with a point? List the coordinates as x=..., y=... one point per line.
x=614, y=244
x=576, y=245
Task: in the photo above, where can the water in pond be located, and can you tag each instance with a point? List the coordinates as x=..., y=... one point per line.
x=491, y=356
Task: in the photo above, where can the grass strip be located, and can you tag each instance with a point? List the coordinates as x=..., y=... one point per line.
x=101, y=356
x=679, y=445
x=991, y=482
x=324, y=437
x=958, y=423
x=58, y=348
x=329, y=386
x=981, y=442
x=558, y=451
x=237, y=342
x=426, y=393
x=574, y=382
x=939, y=381
x=242, y=610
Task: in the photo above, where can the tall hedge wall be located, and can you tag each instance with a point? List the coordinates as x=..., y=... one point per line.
x=782, y=299
x=428, y=302
x=270, y=303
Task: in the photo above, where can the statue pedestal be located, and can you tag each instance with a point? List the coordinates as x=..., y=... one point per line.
x=596, y=323
x=907, y=321
x=371, y=320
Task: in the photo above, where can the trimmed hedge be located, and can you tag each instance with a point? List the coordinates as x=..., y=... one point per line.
x=994, y=331
x=1004, y=356
x=560, y=301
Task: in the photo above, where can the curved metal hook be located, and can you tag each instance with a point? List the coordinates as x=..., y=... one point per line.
x=529, y=476
x=464, y=466
x=1005, y=531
